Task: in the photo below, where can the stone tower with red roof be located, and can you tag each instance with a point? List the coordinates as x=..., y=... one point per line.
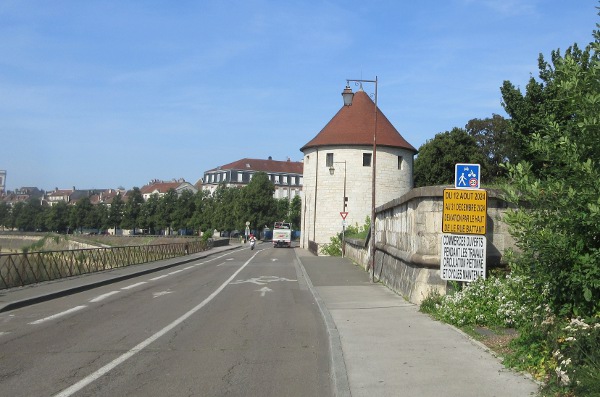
x=340, y=157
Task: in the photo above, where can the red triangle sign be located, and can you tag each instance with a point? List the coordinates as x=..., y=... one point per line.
x=344, y=215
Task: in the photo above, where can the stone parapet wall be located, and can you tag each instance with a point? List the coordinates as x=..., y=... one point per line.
x=408, y=241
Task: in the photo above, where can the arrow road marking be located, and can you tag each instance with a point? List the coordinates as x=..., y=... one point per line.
x=264, y=290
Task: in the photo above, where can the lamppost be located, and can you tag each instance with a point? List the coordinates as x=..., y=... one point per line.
x=331, y=172
x=348, y=95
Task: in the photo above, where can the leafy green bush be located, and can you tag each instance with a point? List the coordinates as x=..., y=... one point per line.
x=577, y=355
x=498, y=301
x=334, y=248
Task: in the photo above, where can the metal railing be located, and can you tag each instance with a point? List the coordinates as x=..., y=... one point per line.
x=34, y=267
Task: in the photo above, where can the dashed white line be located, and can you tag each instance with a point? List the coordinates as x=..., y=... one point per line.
x=188, y=268
x=134, y=285
x=159, y=277
x=57, y=315
x=176, y=271
x=103, y=296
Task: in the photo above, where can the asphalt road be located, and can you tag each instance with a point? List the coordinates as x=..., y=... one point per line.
x=240, y=323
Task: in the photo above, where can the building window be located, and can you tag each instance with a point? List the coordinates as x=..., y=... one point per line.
x=399, y=162
x=366, y=159
x=277, y=179
x=285, y=179
x=329, y=160
x=240, y=177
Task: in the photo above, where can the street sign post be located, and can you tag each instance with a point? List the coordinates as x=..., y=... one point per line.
x=464, y=211
x=463, y=257
x=467, y=176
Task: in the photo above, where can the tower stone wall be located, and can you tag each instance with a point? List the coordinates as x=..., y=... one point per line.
x=324, y=193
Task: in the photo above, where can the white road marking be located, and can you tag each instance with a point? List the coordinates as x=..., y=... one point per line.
x=72, y=310
x=220, y=264
x=176, y=271
x=159, y=277
x=4, y=333
x=103, y=296
x=161, y=293
x=141, y=346
x=188, y=268
x=262, y=280
x=134, y=285
x=264, y=290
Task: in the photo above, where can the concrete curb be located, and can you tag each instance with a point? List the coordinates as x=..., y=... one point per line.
x=337, y=365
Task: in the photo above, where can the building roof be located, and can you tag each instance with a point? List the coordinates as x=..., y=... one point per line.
x=159, y=187
x=269, y=165
x=354, y=125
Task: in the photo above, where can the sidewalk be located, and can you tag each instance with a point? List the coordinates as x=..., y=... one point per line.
x=14, y=298
x=389, y=348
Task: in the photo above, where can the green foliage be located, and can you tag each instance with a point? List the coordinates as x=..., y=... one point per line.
x=257, y=204
x=492, y=136
x=576, y=351
x=498, y=301
x=334, y=248
x=557, y=220
x=295, y=212
x=437, y=157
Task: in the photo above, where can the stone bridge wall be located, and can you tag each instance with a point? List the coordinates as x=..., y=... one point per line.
x=408, y=241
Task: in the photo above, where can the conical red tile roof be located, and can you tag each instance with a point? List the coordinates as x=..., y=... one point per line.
x=354, y=125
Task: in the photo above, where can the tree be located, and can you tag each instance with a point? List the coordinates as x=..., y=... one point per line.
x=529, y=112
x=435, y=163
x=493, y=138
x=57, y=217
x=282, y=209
x=28, y=216
x=200, y=219
x=556, y=185
x=165, y=211
x=115, y=212
x=132, y=209
x=257, y=204
x=184, y=211
x=148, y=219
x=4, y=214
x=295, y=212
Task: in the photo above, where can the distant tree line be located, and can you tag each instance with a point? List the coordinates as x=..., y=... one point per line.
x=227, y=209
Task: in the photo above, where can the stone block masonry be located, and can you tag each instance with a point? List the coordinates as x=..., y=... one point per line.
x=408, y=241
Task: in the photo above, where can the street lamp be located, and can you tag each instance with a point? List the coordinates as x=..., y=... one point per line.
x=348, y=95
x=331, y=172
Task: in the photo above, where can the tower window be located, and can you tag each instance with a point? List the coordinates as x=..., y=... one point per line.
x=366, y=159
x=329, y=160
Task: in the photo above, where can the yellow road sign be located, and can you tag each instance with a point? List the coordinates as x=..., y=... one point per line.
x=465, y=211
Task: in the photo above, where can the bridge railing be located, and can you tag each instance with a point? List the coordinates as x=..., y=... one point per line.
x=34, y=267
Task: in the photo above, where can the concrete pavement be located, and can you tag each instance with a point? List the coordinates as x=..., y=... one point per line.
x=389, y=348
x=381, y=344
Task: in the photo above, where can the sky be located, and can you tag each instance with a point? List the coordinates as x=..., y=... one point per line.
x=107, y=94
